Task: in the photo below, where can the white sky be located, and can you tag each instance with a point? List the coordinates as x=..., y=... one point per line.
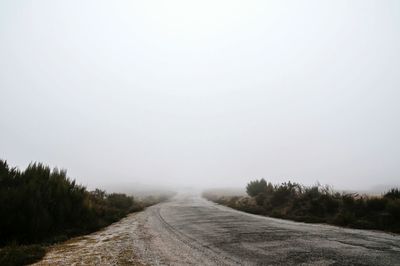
x=203, y=92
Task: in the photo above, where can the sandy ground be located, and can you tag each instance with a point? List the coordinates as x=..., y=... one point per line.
x=189, y=230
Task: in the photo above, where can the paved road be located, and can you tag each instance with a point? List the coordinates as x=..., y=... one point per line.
x=189, y=230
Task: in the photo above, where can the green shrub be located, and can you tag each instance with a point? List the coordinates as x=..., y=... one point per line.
x=393, y=208
x=40, y=204
x=394, y=193
x=256, y=187
x=318, y=204
x=344, y=218
x=376, y=204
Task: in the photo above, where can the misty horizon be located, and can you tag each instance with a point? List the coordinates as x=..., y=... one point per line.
x=210, y=94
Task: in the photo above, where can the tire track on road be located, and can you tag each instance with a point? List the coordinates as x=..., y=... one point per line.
x=194, y=244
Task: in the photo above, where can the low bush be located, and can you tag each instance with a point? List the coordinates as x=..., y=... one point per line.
x=40, y=204
x=43, y=206
x=318, y=204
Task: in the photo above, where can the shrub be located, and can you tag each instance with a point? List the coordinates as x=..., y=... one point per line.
x=394, y=193
x=257, y=187
x=319, y=204
x=40, y=204
x=376, y=204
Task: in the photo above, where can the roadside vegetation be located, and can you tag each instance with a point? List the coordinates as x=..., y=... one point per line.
x=40, y=206
x=317, y=204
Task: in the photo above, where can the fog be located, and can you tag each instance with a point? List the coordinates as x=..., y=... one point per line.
x=203, y=93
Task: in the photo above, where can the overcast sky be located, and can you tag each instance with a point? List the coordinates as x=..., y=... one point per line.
x=203, y=92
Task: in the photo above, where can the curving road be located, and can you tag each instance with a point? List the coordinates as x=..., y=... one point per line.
x=189, y=230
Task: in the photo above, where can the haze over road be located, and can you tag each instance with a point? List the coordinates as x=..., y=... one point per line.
x=191, y=230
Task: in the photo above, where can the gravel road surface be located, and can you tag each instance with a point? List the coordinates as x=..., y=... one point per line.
x=189, y=230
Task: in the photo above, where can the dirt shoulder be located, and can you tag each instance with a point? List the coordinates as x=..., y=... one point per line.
x=110, y=246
